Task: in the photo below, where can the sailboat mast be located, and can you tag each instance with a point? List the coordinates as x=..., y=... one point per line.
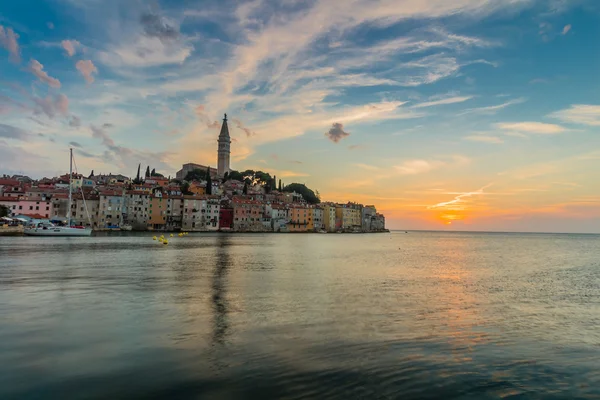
x=70, y=186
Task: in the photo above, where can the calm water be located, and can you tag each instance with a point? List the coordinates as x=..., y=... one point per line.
x=418, y=315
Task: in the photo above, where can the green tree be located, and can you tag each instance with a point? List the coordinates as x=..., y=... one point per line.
x=4, y=211
x=137, y=180
x=196, y=174
x=280, y=187
x=148, y=171
x=235, y=175
x=245, y=191
x=306, y=193
x=185, y=188
x=152, y=172
x=91, y=174
x=208, y=181
x=274, y=183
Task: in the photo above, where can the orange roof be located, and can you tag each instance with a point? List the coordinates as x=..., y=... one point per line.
x=7, y=198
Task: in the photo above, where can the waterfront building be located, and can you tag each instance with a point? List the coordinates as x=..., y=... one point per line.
x=225, y=218
x=368, y=214
x=136, y=208
x=301, y=218
x=247, y=214
x=175, y=205
x=329, y=217
x=318, y=216
x=157, y=211
x=110, y=209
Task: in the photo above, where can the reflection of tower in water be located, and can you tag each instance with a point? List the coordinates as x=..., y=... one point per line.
x=219, y=289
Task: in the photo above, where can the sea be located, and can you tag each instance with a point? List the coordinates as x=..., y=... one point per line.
x=417, y=315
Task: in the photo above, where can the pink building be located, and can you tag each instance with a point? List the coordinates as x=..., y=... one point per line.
x=20, y=206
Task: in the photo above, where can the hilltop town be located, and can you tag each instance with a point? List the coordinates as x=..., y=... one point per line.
x=199, y=198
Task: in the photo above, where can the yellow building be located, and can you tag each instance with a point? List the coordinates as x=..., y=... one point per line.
x=157, y=212
x=348, y=216
x=329, y=217
x=197, y=188
x=301, y=219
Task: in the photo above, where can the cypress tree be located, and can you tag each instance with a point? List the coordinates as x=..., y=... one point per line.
x=148, y=171
x=137, y=177
x=280, y=185
x=245, y=191
x=153, y=173
x=208, y=182
x=91, y=174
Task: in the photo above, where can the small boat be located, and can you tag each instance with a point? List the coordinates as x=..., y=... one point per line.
x=321, y=231
x=126, y=227
x=47, y=228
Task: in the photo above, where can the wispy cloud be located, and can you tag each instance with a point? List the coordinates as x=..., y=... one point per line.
x=8, y=40
x=566, y=29
x=86, y=68
x=367, y=167
x=484, y=139
x=531, y=127
x=70, y=46
x=413, y=167
x=290, y=174
x=12, y=132
x=492, y=109
x=449, y=100
x=37, y=69
x=459, y=198
x=583, y=114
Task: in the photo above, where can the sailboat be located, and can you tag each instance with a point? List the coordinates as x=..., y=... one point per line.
x=49, y=229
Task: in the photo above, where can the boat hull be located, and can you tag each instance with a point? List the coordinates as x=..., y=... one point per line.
x=57, y=231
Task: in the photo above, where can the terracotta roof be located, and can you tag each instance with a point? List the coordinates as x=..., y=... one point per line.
x=6, y=198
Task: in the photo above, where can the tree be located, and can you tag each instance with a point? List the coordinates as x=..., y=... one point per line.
x=235, y=175
x=137, y=177
x=148, y=172
x=306, y=193
x=208, y=181
x=153, y=172
x=196, y=174
x=225, y=176
x=245, y=191
x=280, y=188
x=91, y=174
x=4, y=211
x=185, y=188
x=274, y=183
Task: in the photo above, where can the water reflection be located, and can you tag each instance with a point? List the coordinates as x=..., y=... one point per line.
x=219, y=290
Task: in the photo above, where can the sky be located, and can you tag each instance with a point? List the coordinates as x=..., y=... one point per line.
x=458, y=115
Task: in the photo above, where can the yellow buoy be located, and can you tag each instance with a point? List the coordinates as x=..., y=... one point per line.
x=180, y=235
x=166, y=242
x=153, y=237
x=171, y=235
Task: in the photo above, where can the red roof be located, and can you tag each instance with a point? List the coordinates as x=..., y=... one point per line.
x=34, y=216
x=7, y=198
x=9, y=182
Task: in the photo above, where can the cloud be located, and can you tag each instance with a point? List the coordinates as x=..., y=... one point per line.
x=413, y=167
x=484, y=138
x=12, y=132
x=211, y=124
x=8, y=40
x=582, y=114
x=357, y=146
x=492, y=109
x=367, y=167
x=241, y=126
x=70, y=46
x=75, y=144
x=156, y=26
x=86, y=68
x=51, y=106
x=75, y=121
x=289, y=174
x=449, y=100
x=531, y=127
x=50, y=25
x=538, y=80
x=336, y=132
x=37, y=69
x=566, y=29
x=459, y=198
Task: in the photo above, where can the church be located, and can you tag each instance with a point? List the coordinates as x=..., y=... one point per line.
x=223, y=156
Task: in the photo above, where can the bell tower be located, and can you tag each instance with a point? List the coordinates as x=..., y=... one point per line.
x=224, y=149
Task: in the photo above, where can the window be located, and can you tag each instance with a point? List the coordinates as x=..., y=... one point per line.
x=30, y=207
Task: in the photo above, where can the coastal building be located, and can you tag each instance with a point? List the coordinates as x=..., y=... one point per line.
x=247, y=214
x=368, y=214
x=157, y=211
x=110, y=209
x=224, y=149
x=301, y=218
x=329, y=217
x=84, y=212
x=136, y=209
x=225, y=218
x=279, y=217
x=174, y=211
x=318, y=216
x=189, y=167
